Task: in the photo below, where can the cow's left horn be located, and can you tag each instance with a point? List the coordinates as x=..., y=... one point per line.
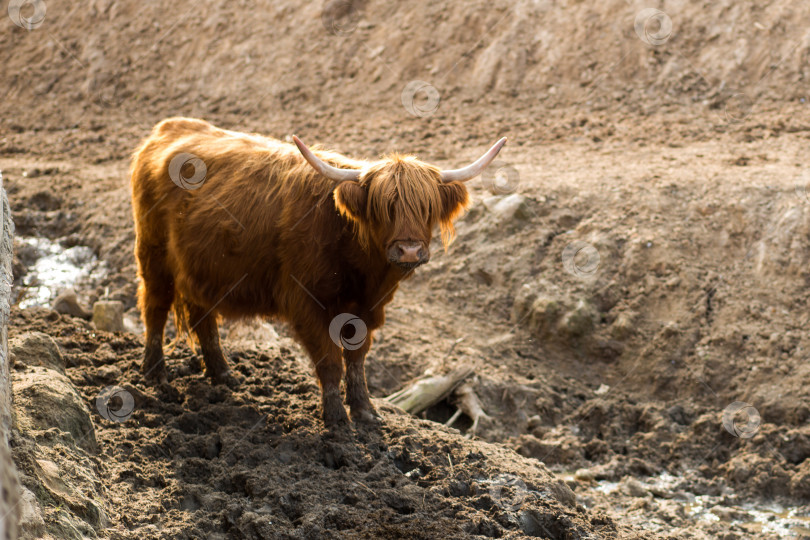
x=333, y=173
x=471, y=171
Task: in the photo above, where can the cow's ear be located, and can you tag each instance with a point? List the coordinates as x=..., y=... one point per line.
x=455, y=200
x=350, y=199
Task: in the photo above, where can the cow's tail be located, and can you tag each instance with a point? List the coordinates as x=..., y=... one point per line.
x=181, y=323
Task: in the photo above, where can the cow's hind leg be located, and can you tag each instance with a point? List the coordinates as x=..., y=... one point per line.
x=204, y=325
x=155, y=297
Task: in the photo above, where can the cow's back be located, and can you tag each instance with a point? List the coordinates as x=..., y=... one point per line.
x=258, y=221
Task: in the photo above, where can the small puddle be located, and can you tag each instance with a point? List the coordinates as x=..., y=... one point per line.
x=771, y=518
x=787, y=522
x=55, y=268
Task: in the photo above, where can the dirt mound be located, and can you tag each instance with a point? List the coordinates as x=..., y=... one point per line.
x=254, y=461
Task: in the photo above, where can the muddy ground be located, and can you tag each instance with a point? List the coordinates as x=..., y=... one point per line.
x=636, y=269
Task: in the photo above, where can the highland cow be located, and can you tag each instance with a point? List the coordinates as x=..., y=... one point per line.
x=239, y=225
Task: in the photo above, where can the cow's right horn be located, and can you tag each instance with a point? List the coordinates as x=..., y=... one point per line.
x=473, y=170
x=333, y=173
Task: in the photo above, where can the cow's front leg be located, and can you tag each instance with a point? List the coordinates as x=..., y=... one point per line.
x=356, y=388
x=329, y=368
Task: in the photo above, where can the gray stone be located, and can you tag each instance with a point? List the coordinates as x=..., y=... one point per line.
x=585, y=475
x=108, y=316
x=31, y=523
x=46, y=399
x=37, y=349
x=68, y=304
x=9, y=509
x=634, y=488
x=508, y=208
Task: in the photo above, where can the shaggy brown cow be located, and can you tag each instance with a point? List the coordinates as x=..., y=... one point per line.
x=242, y=225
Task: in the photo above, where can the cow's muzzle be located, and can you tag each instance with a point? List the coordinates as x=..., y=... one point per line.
x=408, y=255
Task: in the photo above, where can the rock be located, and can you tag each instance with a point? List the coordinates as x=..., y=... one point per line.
x=9, y=486
x=37, y=349
x=31, y=524
x=585, y=476
x=10, y=504
x=724, y=513
x=534, y=422
x=623, y=327
x=53, y=479
x=580, y=321
x=49, y=475
x=108, y=316
x=545, y=311
x=68, y=304
x=634, y=488
x=45, y=399
x=508, y=208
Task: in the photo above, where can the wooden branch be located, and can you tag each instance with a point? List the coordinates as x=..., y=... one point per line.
x=426, y=392
x=469, y=404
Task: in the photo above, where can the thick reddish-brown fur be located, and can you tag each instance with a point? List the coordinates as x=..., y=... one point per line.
x=266, y=235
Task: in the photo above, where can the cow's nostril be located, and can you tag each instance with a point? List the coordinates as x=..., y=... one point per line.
x=409, y=253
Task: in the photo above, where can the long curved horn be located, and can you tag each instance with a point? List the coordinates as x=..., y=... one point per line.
x=333, y=173
x=471, y=171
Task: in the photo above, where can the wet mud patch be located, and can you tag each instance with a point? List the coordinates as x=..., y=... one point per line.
x=45, y=268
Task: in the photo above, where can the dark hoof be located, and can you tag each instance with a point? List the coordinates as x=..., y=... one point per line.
x=366, y=416
x=154, y=373
x=334, y=418
x=222, y=377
